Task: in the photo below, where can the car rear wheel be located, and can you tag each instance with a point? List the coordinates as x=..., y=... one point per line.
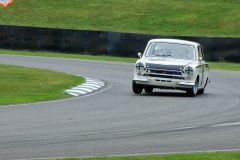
x=194, y=90
x=148, y=89
x=137, y=88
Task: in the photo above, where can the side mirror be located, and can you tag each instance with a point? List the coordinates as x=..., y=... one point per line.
x=139, y=55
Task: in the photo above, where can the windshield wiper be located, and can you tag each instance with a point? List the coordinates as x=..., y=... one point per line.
x=164, y=55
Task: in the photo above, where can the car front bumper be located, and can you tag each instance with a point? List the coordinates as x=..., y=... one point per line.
x=164, y=82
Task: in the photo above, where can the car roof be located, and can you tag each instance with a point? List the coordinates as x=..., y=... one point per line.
x=178, y=41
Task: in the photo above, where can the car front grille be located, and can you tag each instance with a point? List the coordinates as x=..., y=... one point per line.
x=163, y=71
x=164, y=76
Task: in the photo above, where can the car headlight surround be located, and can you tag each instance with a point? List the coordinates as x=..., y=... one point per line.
x=140, y=66
x=188, y=71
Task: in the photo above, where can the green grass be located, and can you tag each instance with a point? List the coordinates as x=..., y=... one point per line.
x=213, y=65
x=67, y=55
x=200, y=156
x=25, y=85
x=162, y=17
x=225, y=66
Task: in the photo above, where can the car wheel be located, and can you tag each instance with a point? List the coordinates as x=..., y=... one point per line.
x=194, y=90
x=201, y=91
x=137, y=88
x=148, y=89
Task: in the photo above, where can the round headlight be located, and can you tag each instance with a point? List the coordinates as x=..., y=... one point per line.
x=140, y=66
x=188, y=70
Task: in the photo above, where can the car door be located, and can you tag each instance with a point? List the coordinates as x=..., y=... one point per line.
x=203, y=67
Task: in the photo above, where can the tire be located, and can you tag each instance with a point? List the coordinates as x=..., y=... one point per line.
x=137, y=88
x=194, y=90
x=148, y=89
x=201, y=91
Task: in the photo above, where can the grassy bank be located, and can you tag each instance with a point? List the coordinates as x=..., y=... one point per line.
x=213, y=65
x=201, y=156
x=25, y=85
x=185, y=17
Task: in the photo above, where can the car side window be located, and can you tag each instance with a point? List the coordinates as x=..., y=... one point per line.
x=203, y=57
x=200, y=55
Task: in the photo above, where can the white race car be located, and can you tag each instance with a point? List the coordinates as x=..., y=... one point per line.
x=171, y=64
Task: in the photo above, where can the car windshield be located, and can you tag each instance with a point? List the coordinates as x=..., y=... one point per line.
x=171, y=50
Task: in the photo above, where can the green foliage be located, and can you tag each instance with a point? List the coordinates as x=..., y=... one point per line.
x=24, y=85
x=162, y=17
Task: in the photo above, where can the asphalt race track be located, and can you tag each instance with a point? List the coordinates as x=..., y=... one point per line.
x=114, y=121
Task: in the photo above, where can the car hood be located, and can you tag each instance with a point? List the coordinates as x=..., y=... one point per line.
x=168, y=64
